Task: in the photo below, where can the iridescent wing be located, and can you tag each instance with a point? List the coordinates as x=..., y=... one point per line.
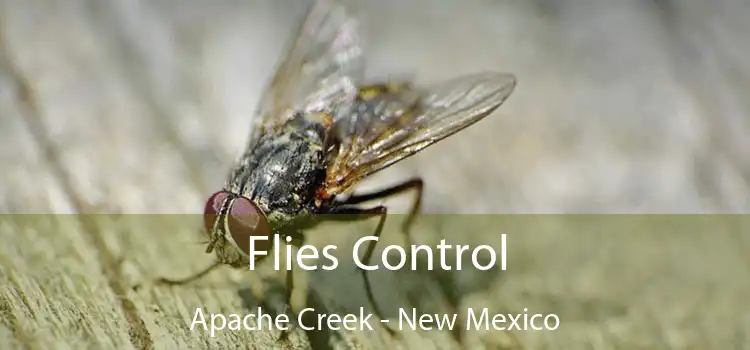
x=321, y=68
x=388, y=123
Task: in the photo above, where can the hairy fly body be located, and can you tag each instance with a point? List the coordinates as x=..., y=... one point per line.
x=319, y=130
x=273, y=185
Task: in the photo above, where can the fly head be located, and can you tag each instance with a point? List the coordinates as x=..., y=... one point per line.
x=230, y=220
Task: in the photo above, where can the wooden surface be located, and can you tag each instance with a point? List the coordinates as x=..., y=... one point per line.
x=115, y=108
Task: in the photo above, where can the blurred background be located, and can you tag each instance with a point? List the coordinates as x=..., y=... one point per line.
x=621, y=107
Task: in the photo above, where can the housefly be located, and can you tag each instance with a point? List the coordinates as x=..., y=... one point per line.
x=319, y=130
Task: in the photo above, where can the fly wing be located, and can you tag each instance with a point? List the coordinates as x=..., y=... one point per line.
x=386, y=126
x=321, y=68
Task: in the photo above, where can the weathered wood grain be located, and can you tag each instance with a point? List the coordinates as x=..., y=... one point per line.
x=129, y=114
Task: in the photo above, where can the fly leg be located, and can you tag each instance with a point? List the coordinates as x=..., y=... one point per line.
x=357, y=214
x=297, y=242
x=287, y=301
x=186, y=280
x=411, y=184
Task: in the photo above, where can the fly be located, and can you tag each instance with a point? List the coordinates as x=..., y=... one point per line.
x=319, y=130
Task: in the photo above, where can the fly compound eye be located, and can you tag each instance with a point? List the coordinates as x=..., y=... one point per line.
x=213, y=207
x=246, y=220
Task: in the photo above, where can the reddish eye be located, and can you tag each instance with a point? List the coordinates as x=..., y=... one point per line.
x=246, y=220
x=213, y=206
